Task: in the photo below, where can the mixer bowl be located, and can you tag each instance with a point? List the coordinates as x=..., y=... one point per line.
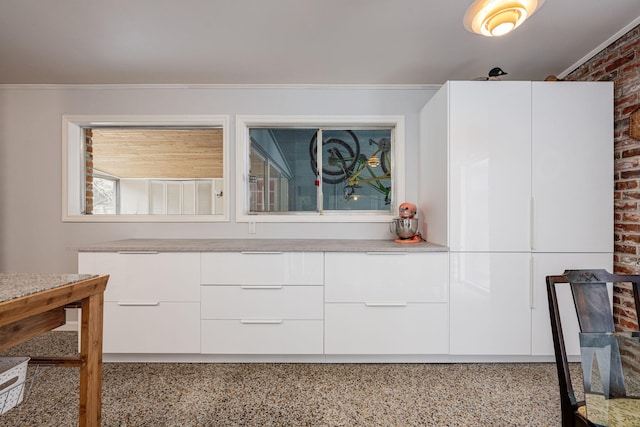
x=405, y=228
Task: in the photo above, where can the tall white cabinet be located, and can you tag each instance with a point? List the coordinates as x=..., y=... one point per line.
x=517, y=179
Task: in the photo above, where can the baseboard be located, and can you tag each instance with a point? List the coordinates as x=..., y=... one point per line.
x=71, y=326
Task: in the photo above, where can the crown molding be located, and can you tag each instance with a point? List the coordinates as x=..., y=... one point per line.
x=223, y=86
x=624, y=30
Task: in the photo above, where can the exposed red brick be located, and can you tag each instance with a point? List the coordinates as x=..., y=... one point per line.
x=625, y=249
x=619, y=63
x=626, y=185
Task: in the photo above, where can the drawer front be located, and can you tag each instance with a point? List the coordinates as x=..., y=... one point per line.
x=262, y=302
x=162, y=328
x=262, y=268
x=267, y=337
x=386, y=277
x=145, y=277
x=410, y=329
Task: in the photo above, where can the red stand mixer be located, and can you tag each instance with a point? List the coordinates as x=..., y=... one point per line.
x=406, y=227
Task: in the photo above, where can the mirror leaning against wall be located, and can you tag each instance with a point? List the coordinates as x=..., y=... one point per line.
x=145, y=169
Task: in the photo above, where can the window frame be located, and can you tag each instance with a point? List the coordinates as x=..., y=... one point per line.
x=245, y=122
x=73, y=163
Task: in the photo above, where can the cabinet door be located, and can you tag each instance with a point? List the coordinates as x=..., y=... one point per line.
x=573, y=166
x=262, y=336
x=146, y=277
x=162, y=328
x=262, y=268
x=551, y=265
x=386, y=329
x=386, y=277
x=490, y=166
x=262, y=302
x=490, y=312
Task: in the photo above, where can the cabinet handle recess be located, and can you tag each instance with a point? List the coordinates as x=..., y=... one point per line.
x=385, y=304
x=139, y=304
x=261, y=252
x=261, y=287
x=138, y=252
x=261, y=322
x=385, y=253
x=532, y=295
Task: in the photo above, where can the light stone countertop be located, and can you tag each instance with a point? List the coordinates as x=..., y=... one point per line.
x=16, y=285
x=261, y=245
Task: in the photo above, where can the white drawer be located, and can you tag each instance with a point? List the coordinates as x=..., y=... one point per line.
x=162, y=328
x=266, y=337
x=160, y=276
x=262, y=268
x=386, y=277
x=410, y=329
x=262, y=302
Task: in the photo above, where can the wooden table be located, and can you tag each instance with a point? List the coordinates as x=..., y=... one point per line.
x=32, y=304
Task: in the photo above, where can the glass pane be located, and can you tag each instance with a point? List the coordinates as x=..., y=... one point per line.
x=356, y=169
x=281, y=176
x=204, y=197
x=104, y=196
x=171, y=156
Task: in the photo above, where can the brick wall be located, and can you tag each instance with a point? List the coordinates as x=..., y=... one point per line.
x=620, y=63
x=88, y=174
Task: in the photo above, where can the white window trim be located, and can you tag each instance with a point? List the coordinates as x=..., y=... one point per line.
x=244, y=122
x=73, y=163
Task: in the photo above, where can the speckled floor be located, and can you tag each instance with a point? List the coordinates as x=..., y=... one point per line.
x=164, y=394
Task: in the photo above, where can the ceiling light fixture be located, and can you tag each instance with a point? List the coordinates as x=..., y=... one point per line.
x=495, y=18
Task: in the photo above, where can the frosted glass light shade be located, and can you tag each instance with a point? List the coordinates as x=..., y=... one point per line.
x=494, y=18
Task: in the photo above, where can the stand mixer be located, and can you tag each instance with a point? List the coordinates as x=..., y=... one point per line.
x=406, y=227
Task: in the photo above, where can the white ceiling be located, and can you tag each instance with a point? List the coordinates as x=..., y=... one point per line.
x=291, y=41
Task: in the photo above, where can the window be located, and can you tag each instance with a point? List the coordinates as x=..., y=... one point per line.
x=145, y=168
x=105, y=194
x=352, y=176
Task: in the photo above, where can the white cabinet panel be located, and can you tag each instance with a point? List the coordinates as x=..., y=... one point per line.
x=405, y=329
x=490, y=311
x=386, y=277
x=552, y=265
x=161, y=328
x=262, y=302
x=262, y=268
x=489, y=166
x=146, y=277
x=573, y=166
x=262, y=337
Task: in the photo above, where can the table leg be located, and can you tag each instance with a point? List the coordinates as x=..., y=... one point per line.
x=91, y=355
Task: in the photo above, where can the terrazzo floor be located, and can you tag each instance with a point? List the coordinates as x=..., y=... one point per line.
x=167, y=394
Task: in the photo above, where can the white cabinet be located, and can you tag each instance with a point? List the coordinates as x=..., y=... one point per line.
x=573, y=167
x=510, y=170
x=152, y=301
x=262, y=303
x=262, y=268
x=490, y=310
x=554, y=264
x=489, y=166
x=386, y=303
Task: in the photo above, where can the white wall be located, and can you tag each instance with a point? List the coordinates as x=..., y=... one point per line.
x=34, y=239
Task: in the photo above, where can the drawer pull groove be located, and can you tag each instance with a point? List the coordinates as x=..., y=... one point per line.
x=261, y=322
x=385, y=304
x=261, y=252
x=139, y=304
x=138, y=252
x=261, y=287
x=385, y=253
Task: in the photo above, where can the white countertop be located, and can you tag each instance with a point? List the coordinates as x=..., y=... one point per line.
x=264, y=245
